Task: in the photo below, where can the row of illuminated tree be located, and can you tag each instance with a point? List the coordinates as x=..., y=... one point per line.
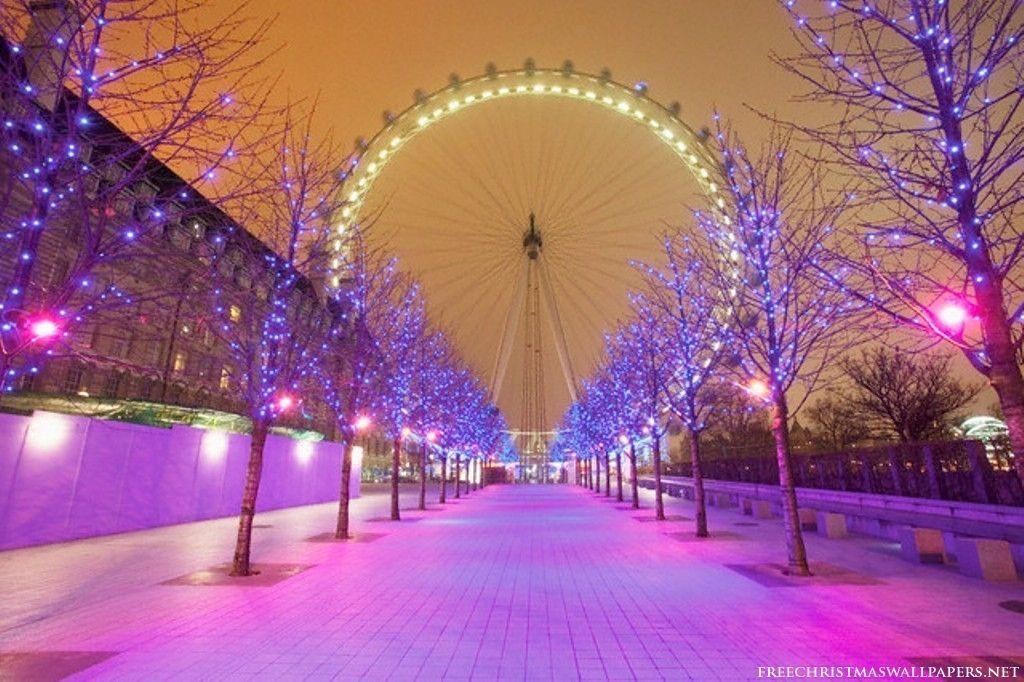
x=101, y=98
x=898, y=221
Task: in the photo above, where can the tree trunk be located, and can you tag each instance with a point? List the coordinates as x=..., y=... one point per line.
x=240, y=565
x=423, y=478
x=396, y=463
x=607, y=474
x=597, y=473
x=443, y=496
x=1006, y=381
x=794, y=537
x=659, y=501
x=341, y=530
x=1004, y=373
x=634, y=484
x=458, y=483
x=618, y=472
x=700, y=506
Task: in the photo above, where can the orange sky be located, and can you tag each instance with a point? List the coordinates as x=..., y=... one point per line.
x=362, y=57
x=365, y=56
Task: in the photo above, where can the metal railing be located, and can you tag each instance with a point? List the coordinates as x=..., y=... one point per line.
x=952, y=470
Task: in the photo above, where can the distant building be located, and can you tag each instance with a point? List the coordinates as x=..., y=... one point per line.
x=159, y=348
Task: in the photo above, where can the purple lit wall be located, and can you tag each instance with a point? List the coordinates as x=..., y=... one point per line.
x=64, y=477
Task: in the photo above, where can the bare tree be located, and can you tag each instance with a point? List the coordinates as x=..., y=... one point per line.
x=835, y=423
x=275, y=337
x=399, y=332
x=653, y=365
x=905, y=396
x=929, y=127
x=346, y=370
x=692, y=335
x=101, y=99
x=767, y=247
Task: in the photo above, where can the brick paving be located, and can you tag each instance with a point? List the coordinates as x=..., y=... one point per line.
x=513, y=582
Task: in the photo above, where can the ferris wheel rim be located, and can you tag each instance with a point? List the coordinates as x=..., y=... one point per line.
x=689, y=146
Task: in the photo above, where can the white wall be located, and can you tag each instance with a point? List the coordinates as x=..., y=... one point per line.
x=64, y=477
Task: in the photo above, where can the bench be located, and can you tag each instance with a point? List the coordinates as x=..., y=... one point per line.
x=986, y=559
x=808, y=519
x=762, y=509
x=922, y=545
x=832, y=525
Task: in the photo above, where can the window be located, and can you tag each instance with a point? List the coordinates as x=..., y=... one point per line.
x=153, y=388
x=235, y=313
x=179, y=237
x=73, y=379
x=180, y=361
x=225, y=378
x=157, y=353
x=28, y=380
x=111, y=384
x=117, y=346
x=57, y=274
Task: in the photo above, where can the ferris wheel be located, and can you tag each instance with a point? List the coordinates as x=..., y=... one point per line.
x=519, y=199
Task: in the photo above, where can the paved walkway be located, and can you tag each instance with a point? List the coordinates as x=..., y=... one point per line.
x=515, y=582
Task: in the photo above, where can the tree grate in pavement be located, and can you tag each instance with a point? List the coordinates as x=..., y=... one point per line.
x=1013, y=605
x=668, y=517
x=48, y=665
x=387, y=519
x=269, y=574
x=744, y=523
x=690, y=536
x=774, y=575
x=352, y=538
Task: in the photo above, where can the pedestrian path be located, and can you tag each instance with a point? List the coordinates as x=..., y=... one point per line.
x=513, y=582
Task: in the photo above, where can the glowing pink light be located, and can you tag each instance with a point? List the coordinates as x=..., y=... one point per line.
x=43, y=328
x=623, y=439
x=406, y=432
x=952, y=315
x=757, y=388
x=363, y=423
x=284, y=402
x=431, y=436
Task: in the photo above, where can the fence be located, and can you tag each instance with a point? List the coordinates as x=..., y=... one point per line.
x=954, y=470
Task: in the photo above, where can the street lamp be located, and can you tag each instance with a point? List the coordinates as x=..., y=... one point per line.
x=952, y=315
x=757, y=388
x=362, y=423
x=284, y=402
x=43, y=328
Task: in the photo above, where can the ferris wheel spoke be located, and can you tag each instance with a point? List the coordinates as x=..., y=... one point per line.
x=455, y=208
